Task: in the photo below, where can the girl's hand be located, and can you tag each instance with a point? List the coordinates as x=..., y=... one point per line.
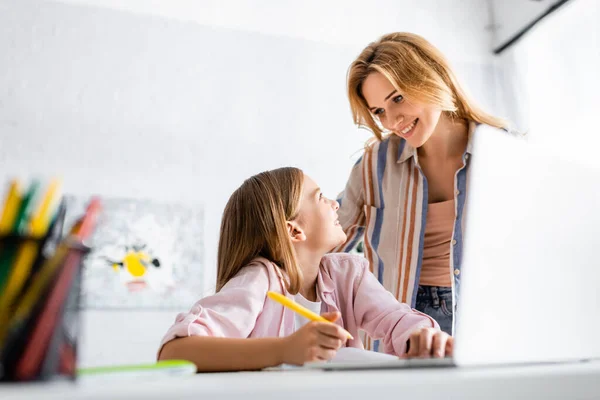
x=315, y=341
x=429, y=342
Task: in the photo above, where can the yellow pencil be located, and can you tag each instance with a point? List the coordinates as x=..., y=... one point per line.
x=11, y=208
x=41, y=221
x=281, y=299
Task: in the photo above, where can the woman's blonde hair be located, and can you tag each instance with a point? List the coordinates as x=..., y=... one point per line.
x=418, y=71
x=254, y=224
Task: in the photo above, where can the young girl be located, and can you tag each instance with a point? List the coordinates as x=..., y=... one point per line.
x=276, y=231
x=405, y=198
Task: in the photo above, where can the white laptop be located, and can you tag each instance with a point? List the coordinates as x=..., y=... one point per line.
x=531, y=261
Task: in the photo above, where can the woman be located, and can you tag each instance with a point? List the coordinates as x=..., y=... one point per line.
x=406, y=194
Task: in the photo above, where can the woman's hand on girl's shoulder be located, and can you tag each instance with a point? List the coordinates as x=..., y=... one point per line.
x=315, y=341
x=429, y=342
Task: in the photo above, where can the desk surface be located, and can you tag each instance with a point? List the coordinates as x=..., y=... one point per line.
x=556, y=381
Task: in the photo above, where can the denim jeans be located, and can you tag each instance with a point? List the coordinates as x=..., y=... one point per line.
x=436, y=302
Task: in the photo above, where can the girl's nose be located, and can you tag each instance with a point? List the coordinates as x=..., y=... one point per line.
x=336, y=205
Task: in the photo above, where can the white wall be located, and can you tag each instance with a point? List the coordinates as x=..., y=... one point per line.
x=351, y=23
x=512, y=16
x=557, y=65
x=182, y=102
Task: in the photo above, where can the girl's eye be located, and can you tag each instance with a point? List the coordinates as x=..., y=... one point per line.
x=378, y=112
x=398, y=99
x=320, y=196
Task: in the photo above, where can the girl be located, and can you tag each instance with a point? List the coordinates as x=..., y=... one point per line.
x=275, y=232
x=406, y=195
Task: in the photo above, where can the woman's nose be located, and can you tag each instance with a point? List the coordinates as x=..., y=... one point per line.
x=398, y=122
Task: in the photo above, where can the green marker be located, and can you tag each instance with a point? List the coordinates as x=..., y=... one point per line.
x=160, y=368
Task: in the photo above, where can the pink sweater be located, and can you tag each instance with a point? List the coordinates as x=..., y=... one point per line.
x=241, y=309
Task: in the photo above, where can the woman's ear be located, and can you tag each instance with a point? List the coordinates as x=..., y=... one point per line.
x=296, y=233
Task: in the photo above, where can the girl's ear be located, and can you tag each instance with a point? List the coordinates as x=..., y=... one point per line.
x=296, y=233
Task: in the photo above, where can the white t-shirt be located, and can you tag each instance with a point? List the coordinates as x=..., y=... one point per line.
x=314, y=306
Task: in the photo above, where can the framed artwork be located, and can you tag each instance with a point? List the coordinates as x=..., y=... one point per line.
x=145, y=254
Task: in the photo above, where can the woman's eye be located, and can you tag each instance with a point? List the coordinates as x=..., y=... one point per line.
x=320, y=196
x=398, y=99
x=379, y=111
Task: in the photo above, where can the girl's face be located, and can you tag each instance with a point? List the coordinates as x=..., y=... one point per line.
x=318, y=219
x=412, y=121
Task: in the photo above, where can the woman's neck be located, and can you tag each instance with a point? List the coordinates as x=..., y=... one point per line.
x=309, y=262
x=448, y=140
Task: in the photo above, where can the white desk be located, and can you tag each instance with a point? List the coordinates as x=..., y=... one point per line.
x=560, y=381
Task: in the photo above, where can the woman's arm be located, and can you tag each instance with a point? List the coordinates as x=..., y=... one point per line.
x=225, y=354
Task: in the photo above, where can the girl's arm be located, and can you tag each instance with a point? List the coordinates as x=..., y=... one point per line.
x=383, y=317
x=228, y=315
x=214, y=333
x=314, y=341
x=226, y=354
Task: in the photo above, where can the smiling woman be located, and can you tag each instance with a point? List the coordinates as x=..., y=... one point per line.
x=405, y=197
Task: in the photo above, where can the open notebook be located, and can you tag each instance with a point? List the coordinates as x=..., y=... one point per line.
x=344, y=356
x=352, y=354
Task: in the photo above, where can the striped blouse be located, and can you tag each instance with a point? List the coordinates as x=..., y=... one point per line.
x=386, y=198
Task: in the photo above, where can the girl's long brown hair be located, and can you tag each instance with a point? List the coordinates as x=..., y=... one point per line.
x=418, y=71
x=254, y=224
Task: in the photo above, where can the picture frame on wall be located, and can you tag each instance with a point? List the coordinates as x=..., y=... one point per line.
x=144, y=254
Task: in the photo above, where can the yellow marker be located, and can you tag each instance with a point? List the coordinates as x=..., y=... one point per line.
x=281, y=299
x=11, y=208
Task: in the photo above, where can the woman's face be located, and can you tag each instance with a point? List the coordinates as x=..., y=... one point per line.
x=412, y=121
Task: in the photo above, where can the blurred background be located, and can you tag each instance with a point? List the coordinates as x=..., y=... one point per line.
x=180, y=101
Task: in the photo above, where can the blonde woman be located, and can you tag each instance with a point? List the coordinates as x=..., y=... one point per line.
x=406, y=195
x=275, y=233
